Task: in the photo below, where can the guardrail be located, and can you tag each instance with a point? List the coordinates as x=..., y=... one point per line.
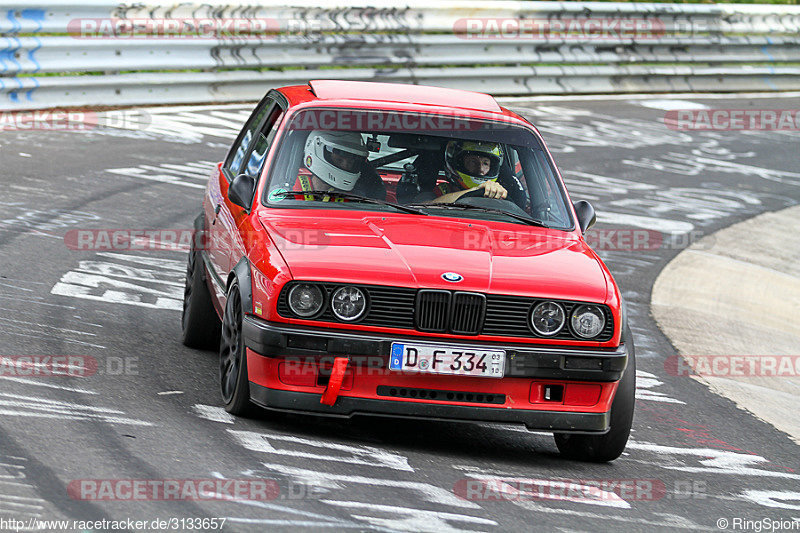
x=59, y=53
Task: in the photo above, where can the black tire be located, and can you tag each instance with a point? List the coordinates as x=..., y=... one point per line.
x=200, y=324
x=234, y=385
x=604, y=448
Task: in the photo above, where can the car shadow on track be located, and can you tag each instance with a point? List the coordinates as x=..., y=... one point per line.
x=467, y=441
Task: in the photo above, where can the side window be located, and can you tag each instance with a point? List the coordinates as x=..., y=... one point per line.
x=255, y=163
x=236, y=158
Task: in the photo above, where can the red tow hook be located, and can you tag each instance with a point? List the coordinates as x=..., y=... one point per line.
x=335, y=381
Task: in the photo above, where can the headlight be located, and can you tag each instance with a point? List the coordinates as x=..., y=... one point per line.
x=587, y=321
x=348, y=303
x=547, y=318
x=305, y=300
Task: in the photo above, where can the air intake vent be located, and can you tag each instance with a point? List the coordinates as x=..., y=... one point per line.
x=441, y=395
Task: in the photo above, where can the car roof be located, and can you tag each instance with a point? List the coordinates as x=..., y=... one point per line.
x=397, y=93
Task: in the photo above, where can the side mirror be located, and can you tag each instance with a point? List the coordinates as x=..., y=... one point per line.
x=241, y=191
x=586, y=214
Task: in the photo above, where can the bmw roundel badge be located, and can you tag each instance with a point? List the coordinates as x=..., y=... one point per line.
x=452, y=277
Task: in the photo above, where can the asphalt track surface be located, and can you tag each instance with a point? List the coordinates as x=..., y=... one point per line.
x=152, y=409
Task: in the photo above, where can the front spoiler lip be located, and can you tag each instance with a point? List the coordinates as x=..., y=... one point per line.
x=347, y=407
x=269, y=339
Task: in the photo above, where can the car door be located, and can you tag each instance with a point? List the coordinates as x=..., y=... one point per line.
x=220, y=225
x=254, y=167
x=247, y=156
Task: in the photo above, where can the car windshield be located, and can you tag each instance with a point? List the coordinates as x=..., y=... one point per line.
x=381, y=160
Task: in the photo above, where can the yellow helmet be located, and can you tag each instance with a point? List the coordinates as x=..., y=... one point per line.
x=456, y=151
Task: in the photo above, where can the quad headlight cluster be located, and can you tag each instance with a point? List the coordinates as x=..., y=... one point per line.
x=548, y=318
x=307, y=300
x=335, y=302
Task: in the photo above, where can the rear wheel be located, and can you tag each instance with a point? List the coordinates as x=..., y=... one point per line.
x=234, y=384
x=199, y=322
x=604, y=448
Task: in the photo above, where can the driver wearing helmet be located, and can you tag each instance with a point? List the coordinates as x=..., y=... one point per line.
x=471, y=165
x=336, y=160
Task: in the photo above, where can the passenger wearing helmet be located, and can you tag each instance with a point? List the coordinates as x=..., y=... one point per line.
x=471, y=165
x=335, y=159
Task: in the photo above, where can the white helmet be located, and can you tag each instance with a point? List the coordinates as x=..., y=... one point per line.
x=336, y=157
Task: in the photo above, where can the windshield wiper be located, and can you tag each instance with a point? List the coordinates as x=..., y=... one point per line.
x=452, y=205
x=355, y=197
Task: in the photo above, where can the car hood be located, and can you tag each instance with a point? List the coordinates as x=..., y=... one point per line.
x=415, y=251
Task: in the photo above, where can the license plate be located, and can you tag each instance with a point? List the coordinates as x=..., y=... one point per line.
x=433, y=359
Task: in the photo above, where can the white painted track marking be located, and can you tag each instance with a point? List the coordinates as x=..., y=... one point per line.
x=357, y=455
x=430, y=493
x=408, y=519
x=215, y=414
x=713, y=461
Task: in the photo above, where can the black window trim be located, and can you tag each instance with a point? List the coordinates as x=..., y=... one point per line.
x=273, y=100
x=525, y=125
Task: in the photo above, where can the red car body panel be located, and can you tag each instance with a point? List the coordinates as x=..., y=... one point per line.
x=520, y=393
x=402, y=250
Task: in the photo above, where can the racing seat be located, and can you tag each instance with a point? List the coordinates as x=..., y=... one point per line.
x=428, y=164
x=370, y=184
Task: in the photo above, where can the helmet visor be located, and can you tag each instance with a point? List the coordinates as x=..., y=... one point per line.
x=343, y=160
x=481, y=166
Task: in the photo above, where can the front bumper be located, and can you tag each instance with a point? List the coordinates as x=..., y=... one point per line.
x=372, y=389
x=346, y=406
x=522, y=360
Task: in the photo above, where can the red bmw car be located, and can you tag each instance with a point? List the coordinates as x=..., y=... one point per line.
x=397, y=250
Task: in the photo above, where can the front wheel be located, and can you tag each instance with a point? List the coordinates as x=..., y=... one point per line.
x=604, y=448
x=234, y=383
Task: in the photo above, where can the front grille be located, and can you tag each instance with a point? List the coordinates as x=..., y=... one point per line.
x=433, y=310
x=441, y=311
x=467, y=314
x=441, y=395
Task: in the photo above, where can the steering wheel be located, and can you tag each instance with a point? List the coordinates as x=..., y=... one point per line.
x=477, y=199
